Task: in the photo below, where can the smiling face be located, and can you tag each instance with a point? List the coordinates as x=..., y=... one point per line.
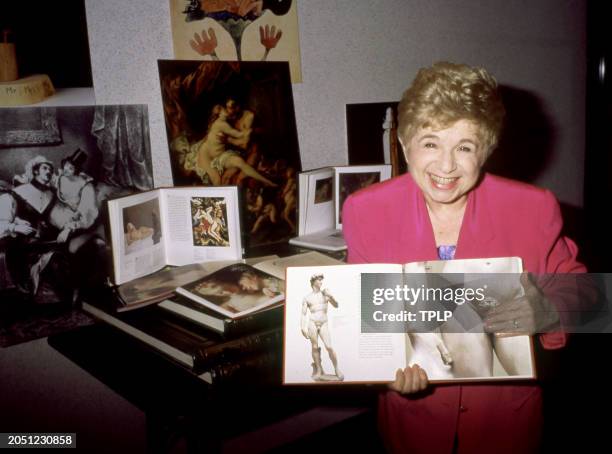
x=446, y=163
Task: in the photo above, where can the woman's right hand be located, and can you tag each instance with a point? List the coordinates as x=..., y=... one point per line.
x=410, y=380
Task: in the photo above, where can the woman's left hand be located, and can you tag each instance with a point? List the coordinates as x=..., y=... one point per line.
x=528, y=314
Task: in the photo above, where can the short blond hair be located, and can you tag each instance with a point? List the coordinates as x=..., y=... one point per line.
x=447, y=92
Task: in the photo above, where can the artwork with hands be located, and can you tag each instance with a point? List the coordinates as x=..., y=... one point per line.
x=244, y=30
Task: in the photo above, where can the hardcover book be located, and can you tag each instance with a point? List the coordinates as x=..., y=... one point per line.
x=201, y=352
x=235, y=290
x=360, y=323
x=266, y=318
x=173, y=226
x=321, y=195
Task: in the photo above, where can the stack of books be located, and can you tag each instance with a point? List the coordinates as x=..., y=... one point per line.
x=222, y=326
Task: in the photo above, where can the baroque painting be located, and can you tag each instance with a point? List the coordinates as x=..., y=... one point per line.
x=233, y=124
x=52, y=200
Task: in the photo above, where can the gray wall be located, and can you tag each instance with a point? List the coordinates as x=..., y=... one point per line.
x=357, y=51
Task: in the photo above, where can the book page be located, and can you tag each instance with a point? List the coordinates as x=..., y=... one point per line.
x=459, y=349
x=202, y=224
x=336, y=331
x=235, y=290
x=277, y=266
x=137, y=235
x=319, y=203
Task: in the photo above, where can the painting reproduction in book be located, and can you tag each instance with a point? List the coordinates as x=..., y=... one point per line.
x=233, y=123
x=58, y=167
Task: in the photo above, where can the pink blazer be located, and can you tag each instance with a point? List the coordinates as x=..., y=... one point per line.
x=389, y=223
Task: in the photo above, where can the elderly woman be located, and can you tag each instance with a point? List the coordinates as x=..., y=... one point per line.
x=446, y=207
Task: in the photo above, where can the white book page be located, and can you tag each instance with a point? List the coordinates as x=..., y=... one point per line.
x=360, y=357
x=202, y=224
x=137, y=235
x=319, y=205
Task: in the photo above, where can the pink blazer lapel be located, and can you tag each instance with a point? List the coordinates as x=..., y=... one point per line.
x=477, y=233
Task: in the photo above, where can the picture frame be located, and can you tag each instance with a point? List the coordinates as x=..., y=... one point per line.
x=348, y=179
x=233, y=123
x=29, y=127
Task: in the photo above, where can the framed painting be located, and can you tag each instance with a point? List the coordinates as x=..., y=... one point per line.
x=233, y=123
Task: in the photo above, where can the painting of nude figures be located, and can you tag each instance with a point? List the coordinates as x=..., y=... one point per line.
x=209, y=221
x=141, y=226
x=233, y=124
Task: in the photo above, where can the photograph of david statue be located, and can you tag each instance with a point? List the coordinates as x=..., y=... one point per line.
x=314, y=325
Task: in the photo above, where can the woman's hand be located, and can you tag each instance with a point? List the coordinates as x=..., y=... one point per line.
x=410, y=380
x=528, y=314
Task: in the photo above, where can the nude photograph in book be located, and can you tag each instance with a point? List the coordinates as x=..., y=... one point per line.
x=315, y=328
x=141, y=226
x=52, y=202
x=233, y=124
x=209, y=221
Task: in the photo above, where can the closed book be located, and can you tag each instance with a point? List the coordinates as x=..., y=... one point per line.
x=266, y=318
x=202, y=352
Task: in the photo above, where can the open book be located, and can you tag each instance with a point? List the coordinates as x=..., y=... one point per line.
x=360, y=323
x=268, y=317
x=321, y=195
x=173, y=226
x=236, y=290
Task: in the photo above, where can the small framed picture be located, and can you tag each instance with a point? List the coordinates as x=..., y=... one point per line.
x=349, y=179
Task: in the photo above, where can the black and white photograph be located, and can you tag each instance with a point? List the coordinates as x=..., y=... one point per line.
x=52, y=196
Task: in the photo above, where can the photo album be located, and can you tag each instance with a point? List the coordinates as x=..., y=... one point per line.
x=360, y=323
x=173, y=226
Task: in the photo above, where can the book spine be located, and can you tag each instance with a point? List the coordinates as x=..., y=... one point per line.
x=237, y=350
x=267, y=366
x=269, y=319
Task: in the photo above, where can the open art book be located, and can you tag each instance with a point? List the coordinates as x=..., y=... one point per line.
x=322, y=193
x=360, y=323
x=236, y=290
x=173, y=226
